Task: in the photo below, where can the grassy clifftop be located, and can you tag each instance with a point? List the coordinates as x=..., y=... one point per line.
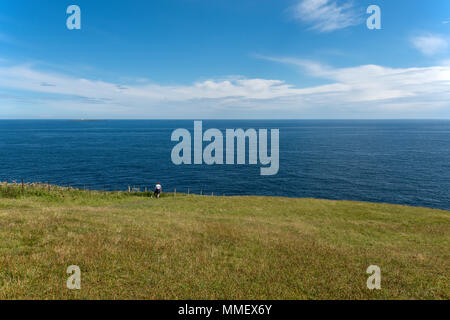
x=200, y=247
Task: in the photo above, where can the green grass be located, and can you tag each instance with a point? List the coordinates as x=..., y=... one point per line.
x=130, y=246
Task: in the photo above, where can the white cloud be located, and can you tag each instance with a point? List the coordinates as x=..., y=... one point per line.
x=430, y=44
x=327, y=15
x=376, y=83
x=367, y=91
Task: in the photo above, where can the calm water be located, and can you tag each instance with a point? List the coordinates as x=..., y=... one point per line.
x=404, y=162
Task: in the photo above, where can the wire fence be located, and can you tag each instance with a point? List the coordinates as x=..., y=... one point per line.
x=130, y=188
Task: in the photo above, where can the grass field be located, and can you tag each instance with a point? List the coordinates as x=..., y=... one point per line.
x=129, y=246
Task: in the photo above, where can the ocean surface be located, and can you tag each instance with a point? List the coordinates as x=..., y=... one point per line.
x=390, y=161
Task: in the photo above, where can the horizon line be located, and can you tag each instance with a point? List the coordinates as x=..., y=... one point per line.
x=215, y=119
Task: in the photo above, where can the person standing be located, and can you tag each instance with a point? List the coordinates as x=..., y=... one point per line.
x=158, y=189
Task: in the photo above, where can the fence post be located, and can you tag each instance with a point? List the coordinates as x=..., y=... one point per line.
x=129, y=189
x=212, y=194
x=188, y=191
x=201, y=192
x=175, y=192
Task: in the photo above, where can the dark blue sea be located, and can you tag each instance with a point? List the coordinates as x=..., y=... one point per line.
x=390, y=161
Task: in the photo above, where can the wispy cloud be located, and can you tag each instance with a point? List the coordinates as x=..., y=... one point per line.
x=327, y=15
x=430, y=44
x=378, y=83
x=360, y=91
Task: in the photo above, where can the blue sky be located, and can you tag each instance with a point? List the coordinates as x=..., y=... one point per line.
x=225, y=59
